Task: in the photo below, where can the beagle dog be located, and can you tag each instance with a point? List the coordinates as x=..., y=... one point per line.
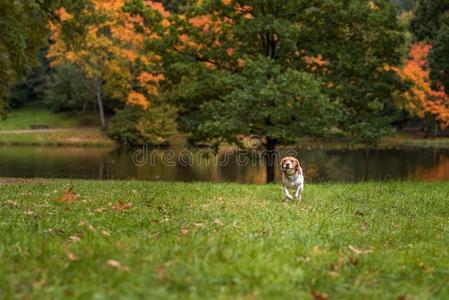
x=292, y=177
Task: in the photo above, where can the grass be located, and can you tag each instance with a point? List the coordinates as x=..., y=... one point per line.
x=122, y=240
x=70, y=137
x=39, y=115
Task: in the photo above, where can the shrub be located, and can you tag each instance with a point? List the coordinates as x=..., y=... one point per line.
x=134, y=126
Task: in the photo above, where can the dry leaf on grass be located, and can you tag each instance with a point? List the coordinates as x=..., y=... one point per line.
x=357, y=251
x=121, y=206
x=117, y=265
x=68, y=196
x=319, y=296
x=29, y=212
x=12, y=203
x=218, y=222
x=74, y=238
x=161, y=273
x=184, y=232
x=71, y=256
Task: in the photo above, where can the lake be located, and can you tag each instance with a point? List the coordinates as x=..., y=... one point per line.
x=202, y=165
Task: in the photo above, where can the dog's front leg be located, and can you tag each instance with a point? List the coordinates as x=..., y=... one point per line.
x=298, y=192
x=288, y=197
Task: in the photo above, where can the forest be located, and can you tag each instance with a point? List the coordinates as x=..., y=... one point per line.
x=222, y=70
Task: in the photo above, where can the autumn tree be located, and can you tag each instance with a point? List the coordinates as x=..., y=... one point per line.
x=285, y=69
x=423, y=99
x=107, y=42
x=431, y=24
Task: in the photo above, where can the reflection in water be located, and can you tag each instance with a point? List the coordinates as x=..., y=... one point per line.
x=201, y=165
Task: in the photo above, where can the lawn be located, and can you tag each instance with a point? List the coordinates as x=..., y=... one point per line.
x=69, y=137
x=125, y=240
x=36, y=114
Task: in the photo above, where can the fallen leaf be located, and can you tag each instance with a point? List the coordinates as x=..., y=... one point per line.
x=319, y=296
x=68, y=196
x=100, y=210
x=218, y=222
x=105, y=233
x=200, y=225
x=117, y=265
x=161, y=273
x=184, y=231
x=121, y=206
x=91, y=228
x=71, y=256
x=357, y=251
x=12, y=203
x=74, y=238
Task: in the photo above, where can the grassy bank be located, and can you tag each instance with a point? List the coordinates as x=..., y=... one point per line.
x=67, y=137
x=37, y=114
x=61, y=129
x=169, y=241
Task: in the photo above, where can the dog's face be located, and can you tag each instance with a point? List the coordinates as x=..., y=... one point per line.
x=289, y=165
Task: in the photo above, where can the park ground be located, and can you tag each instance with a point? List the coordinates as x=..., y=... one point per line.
x=153, y=240
x=84, y=130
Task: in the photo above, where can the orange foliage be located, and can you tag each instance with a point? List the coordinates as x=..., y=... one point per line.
x=422, y=99
x=135, y=98
x=119, y=58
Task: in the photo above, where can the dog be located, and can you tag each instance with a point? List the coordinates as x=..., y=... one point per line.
x=292, y=178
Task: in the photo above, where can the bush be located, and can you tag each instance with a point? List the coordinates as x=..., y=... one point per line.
x=69, y=90
x=134, y=126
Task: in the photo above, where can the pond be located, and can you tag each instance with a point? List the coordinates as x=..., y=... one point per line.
x=202, y=165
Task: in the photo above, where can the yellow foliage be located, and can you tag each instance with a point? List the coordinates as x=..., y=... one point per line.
x=113, y=50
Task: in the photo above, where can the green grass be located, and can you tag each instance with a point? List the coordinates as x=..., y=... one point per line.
x=36, y=115
x=226, y=241
x=70, y=137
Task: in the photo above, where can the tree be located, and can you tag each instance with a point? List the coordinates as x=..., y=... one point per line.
x=107, y=43
x=428, y=18
x=23, y=29
x=422, y=99
x=280, y=69
x=431, y=24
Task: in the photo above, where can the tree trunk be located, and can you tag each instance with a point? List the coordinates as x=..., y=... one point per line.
x=270, y=159
x=100, y=104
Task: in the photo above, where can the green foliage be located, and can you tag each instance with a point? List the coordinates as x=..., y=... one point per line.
x=439, y=58
x=261, y=100
x=23, y=29
x=431, y=23
x=358, y=39
x=355, y=40
x=428, y=17
x=32, y=87
x=134, y=126
x=69, y=90
x=404, y=5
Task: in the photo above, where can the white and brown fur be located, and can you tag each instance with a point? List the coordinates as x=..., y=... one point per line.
x=292, y=178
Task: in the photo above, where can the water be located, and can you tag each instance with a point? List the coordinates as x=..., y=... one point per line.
x=195, y=165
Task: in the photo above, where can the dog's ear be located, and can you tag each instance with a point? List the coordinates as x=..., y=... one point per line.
x=282, y=163
x=297, y=166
